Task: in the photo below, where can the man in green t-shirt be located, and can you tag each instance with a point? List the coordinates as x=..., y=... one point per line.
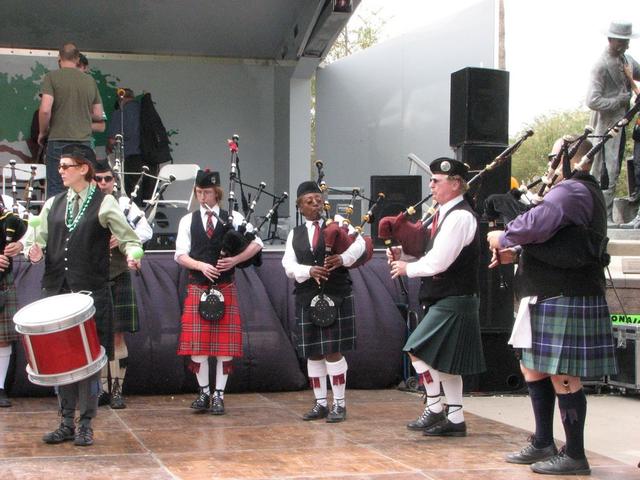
x=70, y=109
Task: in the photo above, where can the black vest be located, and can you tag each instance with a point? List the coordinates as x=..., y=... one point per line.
x=81, y=257
x=205, y=249
x=461, y=278
x=571, y=263
x=339, y=283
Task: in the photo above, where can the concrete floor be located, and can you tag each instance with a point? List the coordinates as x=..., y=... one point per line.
x=612, y=428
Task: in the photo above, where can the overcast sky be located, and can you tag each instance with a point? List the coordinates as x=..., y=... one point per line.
x=550, y=44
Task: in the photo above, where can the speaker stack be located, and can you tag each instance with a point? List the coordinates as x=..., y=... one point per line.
x=479, y=131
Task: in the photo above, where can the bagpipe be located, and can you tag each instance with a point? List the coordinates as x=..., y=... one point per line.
x=12, y=225
x=507, y=206
x=336, y=234
x=412, y=236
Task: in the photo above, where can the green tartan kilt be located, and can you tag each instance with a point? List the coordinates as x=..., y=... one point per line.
x=8, y=291
x=125, y=309
x=448, y=337
x=571, y=336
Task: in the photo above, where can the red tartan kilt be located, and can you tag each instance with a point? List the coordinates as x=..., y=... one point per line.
x=201, y=337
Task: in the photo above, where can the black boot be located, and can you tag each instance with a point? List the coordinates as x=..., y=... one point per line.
x=337, y=414
x=117, y=401
x=201, y=403
x=61, y=434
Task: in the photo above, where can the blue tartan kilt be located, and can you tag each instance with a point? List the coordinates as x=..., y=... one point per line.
x=571, y=336
x=8, y=310
x=340, y=336
x=125, y=309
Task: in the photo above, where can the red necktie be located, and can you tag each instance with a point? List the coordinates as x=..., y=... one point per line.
x=434, y=224
x=316, y=235
x=209, y=224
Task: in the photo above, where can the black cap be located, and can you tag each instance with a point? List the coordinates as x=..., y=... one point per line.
x=103, y=166
x=80, y=152
x=207, y=178
x=307, y=187
x=448, y=166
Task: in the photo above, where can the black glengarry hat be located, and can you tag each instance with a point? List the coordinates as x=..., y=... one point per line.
x=307, y=187
x=207, y=178
x=103, y=166
x=80, y=152
x=448, y=166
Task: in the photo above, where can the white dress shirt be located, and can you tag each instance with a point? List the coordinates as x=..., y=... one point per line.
x=183, y=239
x=456, y=231
x=300, y=272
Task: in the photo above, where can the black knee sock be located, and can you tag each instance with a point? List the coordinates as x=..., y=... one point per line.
x=543, y=400
x=573, y=409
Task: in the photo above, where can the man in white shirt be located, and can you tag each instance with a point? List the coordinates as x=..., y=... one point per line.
x=447, y=342
x=317, y=271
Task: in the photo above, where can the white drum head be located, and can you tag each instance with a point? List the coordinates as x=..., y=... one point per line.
x=55, y=313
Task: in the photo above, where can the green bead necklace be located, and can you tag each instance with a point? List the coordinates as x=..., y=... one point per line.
x=70, y=222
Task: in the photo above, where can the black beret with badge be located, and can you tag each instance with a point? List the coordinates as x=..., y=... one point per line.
x=449, y=166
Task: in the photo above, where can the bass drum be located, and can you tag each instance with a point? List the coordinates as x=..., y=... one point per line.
x=60, y=339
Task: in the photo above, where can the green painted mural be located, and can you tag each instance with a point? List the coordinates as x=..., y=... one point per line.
x=19, y=99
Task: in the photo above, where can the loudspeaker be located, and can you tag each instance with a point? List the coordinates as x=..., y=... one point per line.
x=400, y=192
x=497, y=180
x=479, y=106
x=503, y=368
x=165, y=228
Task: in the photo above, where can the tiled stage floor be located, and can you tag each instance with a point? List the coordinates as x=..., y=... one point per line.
x=262, y=436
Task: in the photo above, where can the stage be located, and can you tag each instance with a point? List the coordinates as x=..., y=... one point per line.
x=262, y=437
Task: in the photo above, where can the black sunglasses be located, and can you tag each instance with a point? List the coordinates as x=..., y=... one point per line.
x=107, y=178
x=66, y=166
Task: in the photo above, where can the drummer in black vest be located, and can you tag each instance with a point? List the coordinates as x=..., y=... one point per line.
x=199, y=249
x=305, y=261
x=446, y=344
x=75, y=231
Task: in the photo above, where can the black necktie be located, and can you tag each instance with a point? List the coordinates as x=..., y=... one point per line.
x=75, y=207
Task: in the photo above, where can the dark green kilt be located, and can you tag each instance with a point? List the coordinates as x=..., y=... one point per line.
x=339, y=337
x=125, y=309
x=8, y=310
x=571, y=336
x=448, y=337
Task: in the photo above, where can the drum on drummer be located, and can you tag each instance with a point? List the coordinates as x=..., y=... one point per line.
x=75, y=229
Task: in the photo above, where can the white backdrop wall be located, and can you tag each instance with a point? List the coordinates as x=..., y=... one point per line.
x=392, y=99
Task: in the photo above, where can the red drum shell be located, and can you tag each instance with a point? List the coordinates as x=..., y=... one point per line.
x=60, y=339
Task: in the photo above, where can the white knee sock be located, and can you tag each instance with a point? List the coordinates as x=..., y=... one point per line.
x=5, y=357
x=452, y=386
x=317, y=370
x=338, y=374
x=203, y=372
x=430, y=379
x=223, y=369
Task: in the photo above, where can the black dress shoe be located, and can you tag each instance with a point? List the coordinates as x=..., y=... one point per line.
x=562, y=464
x=4, y=400
x=104, y=399
x=337, y=414
x=84, y=436
x=447, y=429
x=316, y=413
x=428, y=419
x=201, y=403
x=217, y=405
x=62, y=434
x=531, y=454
